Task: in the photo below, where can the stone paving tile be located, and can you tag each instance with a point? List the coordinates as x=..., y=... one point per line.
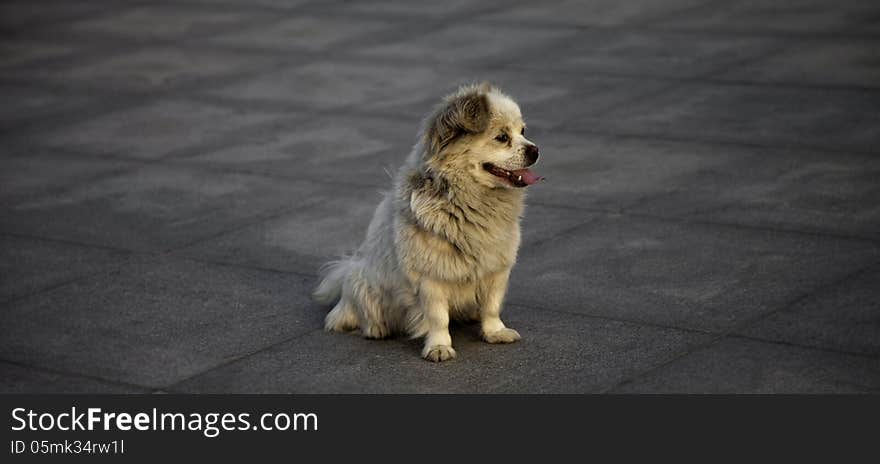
x=23, y=15
x=594, y=13
x=24, y=104
x=787, y=189
x=27, y=173
x=376, y=87
x=158, y=21
x=544, y=222
x=15, y=53
x=845, y=62
x=805, y=118
x=843, y=317
x=647, y=53
x=498, y=43
x=136, y=69
x=155, y=130
x=748, y=366
x=300, y=241
x=683, y=275
x=866, y=24
x=26, y=380
x=340, y=149
x=277, y=4
x=155, y=322
x=302, y=32
x=157, y=208
x=452, y=9
x=559, y=353
x=757, y=16
x=29, y=265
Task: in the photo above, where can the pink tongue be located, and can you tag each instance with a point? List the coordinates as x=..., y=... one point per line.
x=528, y=177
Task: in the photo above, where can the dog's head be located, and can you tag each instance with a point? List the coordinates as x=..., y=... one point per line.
x=478, y=135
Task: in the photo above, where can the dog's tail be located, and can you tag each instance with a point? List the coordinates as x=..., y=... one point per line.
x=333, y=275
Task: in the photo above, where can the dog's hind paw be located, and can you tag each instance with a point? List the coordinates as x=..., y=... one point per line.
x=505, y=335
x=438, y=353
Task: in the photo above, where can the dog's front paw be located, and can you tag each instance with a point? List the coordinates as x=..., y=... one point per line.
x=505, y=335
x=438, y=353
x=374, y=331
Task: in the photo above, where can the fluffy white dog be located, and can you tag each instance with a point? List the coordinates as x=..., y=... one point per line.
x=442, y=242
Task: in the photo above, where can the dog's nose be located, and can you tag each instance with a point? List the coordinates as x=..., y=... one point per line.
x=531, y=154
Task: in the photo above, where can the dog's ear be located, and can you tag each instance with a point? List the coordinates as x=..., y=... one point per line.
x=466, y=112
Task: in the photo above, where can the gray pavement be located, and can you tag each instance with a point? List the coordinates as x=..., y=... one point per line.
x=174, y=173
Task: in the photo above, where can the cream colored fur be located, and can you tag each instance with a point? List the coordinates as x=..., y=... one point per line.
x=442, y=242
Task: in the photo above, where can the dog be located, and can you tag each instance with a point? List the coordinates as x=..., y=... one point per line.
x=442, y=242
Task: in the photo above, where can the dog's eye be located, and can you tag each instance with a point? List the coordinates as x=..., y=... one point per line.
x=502, y=138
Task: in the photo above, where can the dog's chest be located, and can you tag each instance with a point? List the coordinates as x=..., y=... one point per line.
x=459, y=242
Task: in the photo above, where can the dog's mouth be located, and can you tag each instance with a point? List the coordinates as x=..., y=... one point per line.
x=516, y=177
